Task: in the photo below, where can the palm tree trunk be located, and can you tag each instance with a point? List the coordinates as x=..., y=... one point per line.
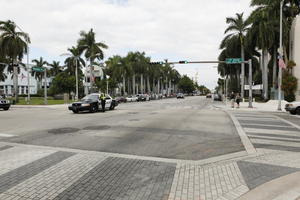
x=124, y=85
x=274, y=67
x=142, y=84
x=158, y=86
x=265, y=73
x=15, y=80
x=133, y=84
x=148, y=85
x=243, y=72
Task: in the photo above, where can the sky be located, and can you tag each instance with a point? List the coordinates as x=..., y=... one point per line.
x=164, y=29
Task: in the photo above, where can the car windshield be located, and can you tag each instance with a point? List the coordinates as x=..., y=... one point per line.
x=90, y=97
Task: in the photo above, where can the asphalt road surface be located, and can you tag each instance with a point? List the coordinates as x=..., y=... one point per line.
x=191, y=129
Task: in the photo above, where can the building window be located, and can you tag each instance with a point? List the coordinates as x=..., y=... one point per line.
x=22, y=89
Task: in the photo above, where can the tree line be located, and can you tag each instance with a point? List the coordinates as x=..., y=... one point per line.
x=131, y=74
x=257, y=38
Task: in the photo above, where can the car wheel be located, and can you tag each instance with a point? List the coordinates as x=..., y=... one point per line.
x=93, y=108
x=112, y=107
x=75, y=111
x=293, y=112
x=5, y=108
x=298, y=111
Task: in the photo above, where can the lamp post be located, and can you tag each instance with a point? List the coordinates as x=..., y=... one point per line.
x=280, y=57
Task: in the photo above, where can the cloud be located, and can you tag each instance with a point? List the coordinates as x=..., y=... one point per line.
x=173, y=29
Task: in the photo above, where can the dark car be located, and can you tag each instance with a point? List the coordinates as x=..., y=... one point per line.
x=92, y=103
x=121, y=99
x=208, y=95
x=4, y=103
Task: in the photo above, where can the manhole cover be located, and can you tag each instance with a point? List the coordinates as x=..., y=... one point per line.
x=63, y=130
x=134, y=120
x=103, y=127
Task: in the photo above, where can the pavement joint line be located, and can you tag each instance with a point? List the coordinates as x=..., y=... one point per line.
x=223, y=158
x=244, y=138
x=288, y=122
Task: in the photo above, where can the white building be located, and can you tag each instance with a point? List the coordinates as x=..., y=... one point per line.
x=6, y=86
x=295, y=51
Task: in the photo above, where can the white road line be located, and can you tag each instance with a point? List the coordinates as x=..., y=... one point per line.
x=244, y=138
x=288, y=122
x=271, y=131
x=266, y=125
x=6, y=135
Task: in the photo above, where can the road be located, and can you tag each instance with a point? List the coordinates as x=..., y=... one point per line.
x=159, y=150
x=189, y=129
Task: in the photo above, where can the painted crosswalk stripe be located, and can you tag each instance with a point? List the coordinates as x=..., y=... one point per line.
x=6, y=135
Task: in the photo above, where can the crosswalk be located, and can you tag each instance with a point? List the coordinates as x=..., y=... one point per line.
x=269, y=131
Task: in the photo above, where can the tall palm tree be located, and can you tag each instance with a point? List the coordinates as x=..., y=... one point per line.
x=73, y=59
x=39, y=75
x=238, y=26
x=55, y=68
x=14, y=45
x=93, y=50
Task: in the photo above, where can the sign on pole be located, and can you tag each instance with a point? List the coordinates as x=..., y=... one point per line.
x=234, y=60
x=38, y=69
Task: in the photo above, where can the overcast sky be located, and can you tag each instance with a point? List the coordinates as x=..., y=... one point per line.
x=164, y=29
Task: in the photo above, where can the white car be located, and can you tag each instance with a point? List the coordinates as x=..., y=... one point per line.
x=293, y=108
x=131, y=98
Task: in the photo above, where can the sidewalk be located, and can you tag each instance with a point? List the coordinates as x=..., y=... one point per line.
x=270, y=106
x=41, y=106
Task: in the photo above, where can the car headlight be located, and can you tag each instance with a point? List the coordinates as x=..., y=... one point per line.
x=86, y=104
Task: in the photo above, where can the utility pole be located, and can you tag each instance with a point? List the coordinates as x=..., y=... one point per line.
x=280, y=57
x=45, y=86
x=250, y=83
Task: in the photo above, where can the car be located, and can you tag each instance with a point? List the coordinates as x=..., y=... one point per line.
x=217, y=97
x=92, y=103
x=4, y=103
x=293, y=108
x=208, y=95
x=180, y=96
x=121, y=99
x=143, y=97
x=131, y=99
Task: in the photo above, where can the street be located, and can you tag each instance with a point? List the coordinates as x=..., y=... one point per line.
x=171, y=149
x=189, y=129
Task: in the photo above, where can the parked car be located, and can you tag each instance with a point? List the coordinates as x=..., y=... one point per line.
x=180, y=96
x=217, y=97
x=293, y=108
x=121, y=99
x=143, y=97
x=208, y=95
x=4, y=103
x=131, y=99
x=92, y=103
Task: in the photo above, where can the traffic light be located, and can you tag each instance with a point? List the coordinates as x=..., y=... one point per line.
x=156, y=63
x=183, y=62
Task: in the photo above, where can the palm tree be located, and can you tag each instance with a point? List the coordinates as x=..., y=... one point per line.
x=14, y=45
x=73, y=59
x=93, y=50
x=239, y=27
x=39, y=75
x=55, y=68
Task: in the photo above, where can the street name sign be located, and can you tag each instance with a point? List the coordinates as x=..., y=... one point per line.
x=234, y=60
x=37, y=69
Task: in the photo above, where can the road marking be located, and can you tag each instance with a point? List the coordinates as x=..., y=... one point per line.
x=244, y=138
x=6, y=135
x=288, y=122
